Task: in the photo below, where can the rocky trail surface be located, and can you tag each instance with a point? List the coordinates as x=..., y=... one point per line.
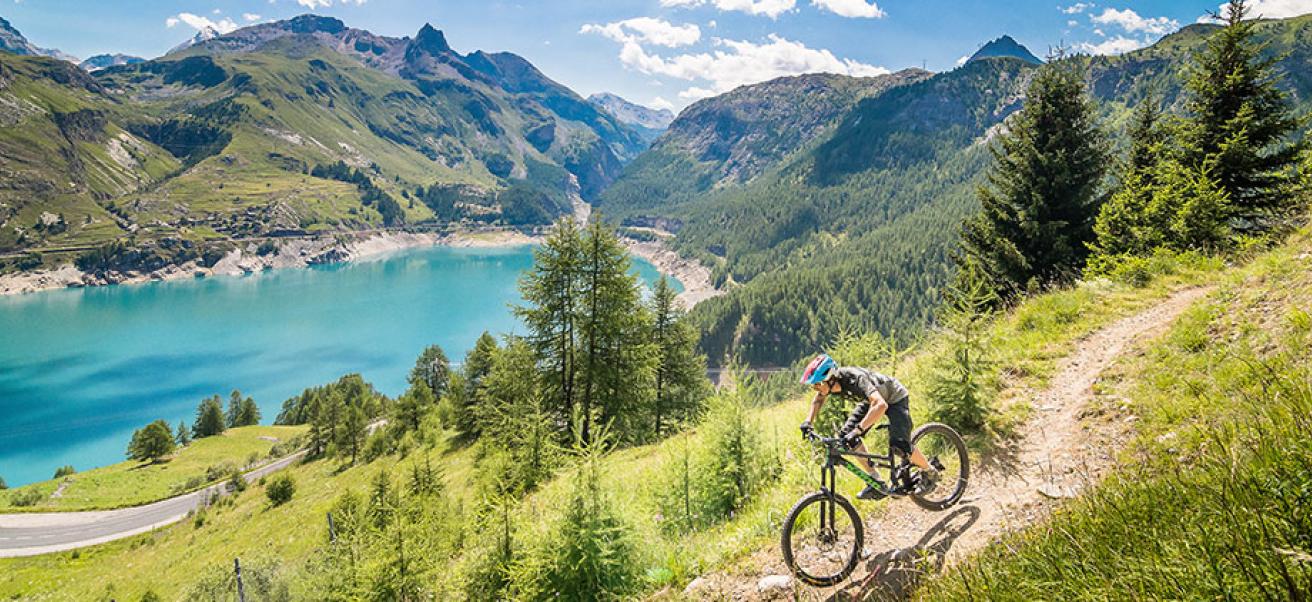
x=1064, y=447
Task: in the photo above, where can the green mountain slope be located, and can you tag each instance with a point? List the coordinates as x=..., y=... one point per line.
x=853, y=229
x=239, y=122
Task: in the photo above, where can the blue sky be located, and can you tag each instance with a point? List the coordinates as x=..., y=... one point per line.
x=656, y=52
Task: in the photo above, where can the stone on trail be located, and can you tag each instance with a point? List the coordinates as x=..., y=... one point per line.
x=695, y=585
x=774, y=583
x=1058, y=492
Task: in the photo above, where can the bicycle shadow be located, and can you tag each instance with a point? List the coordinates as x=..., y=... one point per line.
x=895, y=574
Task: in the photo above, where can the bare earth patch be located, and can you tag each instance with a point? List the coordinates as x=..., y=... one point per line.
x=1065, y=448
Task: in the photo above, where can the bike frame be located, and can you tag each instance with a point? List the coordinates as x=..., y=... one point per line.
x=835, y=456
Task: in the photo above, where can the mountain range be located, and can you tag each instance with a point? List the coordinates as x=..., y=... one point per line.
x=649, y=122
x=100, y=61
x=221, y=139
x=822, y=203
x=829, y=204
x=12, y=41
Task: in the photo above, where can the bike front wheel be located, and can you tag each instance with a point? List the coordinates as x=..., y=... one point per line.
x=822, y=539
x=945, y=449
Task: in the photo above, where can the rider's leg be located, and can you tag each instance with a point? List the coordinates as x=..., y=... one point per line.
x=919, y=459
x=899, y=433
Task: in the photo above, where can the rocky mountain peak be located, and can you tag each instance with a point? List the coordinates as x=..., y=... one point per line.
x=314, y=24
x=632, y=113
x=431, y=40
x=1005, y=46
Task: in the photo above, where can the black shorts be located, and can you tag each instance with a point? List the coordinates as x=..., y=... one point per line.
x=899, y=423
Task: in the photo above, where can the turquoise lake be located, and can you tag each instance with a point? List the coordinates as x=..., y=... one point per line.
x=80, y=369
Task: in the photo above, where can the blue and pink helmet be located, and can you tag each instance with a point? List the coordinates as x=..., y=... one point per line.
x=818, y=370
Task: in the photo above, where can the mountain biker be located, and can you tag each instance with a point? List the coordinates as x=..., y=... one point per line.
x=876, y=395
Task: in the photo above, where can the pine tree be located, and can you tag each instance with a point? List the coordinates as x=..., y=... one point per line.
x=552, y=296
x=413, y=405
x=615, y=357
x=234, y=408
x=680, y=377
x=432, y=369
x=151, y=442
x=1240, y=123
x=183, y=436
x=590, y=553
x=1147, y=135
x=957, y=385
x=351, y=431
x=1037, y=211
x=248, y=413
x=477, y=364
x=209, y=418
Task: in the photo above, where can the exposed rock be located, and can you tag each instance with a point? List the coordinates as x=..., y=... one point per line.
x=774, y=584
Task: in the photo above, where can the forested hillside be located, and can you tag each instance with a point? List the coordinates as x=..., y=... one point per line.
x=220, y=140
x=853, y=230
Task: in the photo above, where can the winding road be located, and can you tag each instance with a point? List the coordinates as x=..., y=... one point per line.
x=42, y=533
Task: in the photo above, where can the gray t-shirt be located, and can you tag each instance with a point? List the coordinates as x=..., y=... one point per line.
x=860, y=383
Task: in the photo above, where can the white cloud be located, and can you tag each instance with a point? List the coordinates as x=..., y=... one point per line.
x=1116, y=45
x=769, y=8
x=250, y=16
x=1072, y=23
x=661, y=103
x=217, y=11
x=197, y=22
x=962, y=60
x=1130, y=21
x=648, y=30
x=851, y=8
x=738, y=63
x=313, y=4
x=1077, y=8
x=1268, y=9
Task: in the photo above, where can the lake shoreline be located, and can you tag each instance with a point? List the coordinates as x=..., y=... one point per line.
x=245, y=259
x=695, y=277
x=345, y=246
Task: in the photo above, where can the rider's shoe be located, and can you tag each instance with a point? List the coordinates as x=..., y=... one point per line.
x=926, y=480
x=871, y=493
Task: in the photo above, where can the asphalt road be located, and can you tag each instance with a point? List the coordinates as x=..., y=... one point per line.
x=31, y=534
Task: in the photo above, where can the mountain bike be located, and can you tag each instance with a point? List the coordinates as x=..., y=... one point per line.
x=822, y=545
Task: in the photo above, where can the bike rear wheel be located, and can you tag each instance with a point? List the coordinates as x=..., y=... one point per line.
x=939, y=443
x=822, y=539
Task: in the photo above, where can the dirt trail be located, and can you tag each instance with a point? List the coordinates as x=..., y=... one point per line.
x=1061, y=452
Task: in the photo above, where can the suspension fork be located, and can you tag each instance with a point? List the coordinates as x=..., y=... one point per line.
x=828, y=485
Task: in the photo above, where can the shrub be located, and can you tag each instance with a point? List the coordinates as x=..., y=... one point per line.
x=267, y=247
x=262, y=580
x=25, y=497
x=280, y=489
x=218, y=471
x=236, y=482
x=3, y=484
x=64, y=471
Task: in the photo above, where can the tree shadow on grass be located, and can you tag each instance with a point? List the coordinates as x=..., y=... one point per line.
x=895, y=574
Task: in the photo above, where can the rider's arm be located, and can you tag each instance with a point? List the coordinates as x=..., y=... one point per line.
x=816, y=404
x=877, y=408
